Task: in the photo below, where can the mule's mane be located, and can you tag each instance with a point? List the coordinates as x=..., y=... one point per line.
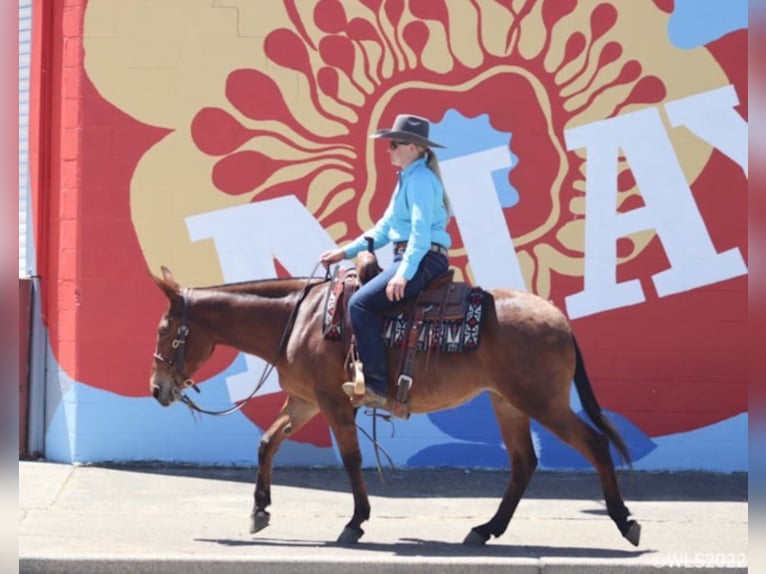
x=270, y=288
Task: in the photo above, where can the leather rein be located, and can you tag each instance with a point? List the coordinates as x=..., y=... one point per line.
x=178, y=359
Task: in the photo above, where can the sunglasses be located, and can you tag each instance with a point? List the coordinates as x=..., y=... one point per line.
x=395, y=144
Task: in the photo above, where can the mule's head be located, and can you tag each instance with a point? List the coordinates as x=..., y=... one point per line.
x=183, y=344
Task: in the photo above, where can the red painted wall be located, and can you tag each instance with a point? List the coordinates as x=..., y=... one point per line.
x=670, y=365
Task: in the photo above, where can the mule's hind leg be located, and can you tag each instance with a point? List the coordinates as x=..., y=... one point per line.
x=594, y=446
x=514, y=428
x=293, y=415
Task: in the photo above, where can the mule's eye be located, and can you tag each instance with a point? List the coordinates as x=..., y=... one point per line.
x=163, y=330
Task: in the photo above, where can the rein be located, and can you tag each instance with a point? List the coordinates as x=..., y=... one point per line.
x=267, y=369
x=177, y=361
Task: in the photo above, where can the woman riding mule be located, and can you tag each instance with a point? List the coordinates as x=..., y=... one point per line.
x=416, y=221
x=526, y=361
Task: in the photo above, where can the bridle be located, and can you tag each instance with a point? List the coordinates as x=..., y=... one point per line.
x=177, y=361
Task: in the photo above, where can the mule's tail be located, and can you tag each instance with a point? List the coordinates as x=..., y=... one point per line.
x=593, y=409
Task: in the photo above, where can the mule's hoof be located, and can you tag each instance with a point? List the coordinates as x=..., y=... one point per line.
x=258, y=521
x=475, y=539
x=633, y=533
x=350, y=535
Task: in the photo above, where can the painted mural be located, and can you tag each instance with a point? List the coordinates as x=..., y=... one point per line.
x=596, y=154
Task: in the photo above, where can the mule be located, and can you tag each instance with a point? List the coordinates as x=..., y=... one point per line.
x=527, y=360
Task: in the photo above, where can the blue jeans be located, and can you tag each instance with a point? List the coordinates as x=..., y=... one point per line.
x=370, y=300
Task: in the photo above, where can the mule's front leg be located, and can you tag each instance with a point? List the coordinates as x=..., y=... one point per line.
x=294, y=414
x=351, y=534
x=340, y=415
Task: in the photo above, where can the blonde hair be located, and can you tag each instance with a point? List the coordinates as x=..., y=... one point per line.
x=433, y=164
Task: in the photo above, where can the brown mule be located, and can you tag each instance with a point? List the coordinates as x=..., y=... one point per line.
x=527, y=360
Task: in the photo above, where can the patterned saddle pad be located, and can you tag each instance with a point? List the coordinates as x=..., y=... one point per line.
x=450, y=334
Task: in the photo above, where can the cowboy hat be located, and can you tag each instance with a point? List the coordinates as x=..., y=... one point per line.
x=410, y=129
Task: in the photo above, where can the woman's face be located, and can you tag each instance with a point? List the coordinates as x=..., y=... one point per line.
x=402, y=153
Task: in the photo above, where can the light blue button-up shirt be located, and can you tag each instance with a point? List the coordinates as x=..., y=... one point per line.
x=416, y=214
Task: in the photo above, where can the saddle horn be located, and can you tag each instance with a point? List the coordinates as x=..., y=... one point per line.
x=367, y=262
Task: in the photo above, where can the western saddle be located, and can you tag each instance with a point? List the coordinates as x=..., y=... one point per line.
x=443, y=299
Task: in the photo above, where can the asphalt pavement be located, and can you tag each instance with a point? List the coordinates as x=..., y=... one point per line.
x=170, y=519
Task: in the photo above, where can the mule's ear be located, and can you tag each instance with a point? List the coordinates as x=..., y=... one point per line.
x=166, y=274
x=167, y=284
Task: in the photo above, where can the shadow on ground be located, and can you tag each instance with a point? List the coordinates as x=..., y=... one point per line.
x=421, y=547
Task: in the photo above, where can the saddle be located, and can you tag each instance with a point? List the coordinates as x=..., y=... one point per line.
x=434, y=320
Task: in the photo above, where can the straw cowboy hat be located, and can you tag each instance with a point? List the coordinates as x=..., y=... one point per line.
x=410, y=129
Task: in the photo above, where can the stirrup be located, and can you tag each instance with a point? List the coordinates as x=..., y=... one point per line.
x=355, y=387
x=358, y=378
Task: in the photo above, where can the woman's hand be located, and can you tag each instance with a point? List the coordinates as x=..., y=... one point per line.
x=395, y=288
x=332, y=256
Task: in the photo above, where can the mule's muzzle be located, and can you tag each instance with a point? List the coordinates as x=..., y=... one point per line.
x=166, y=395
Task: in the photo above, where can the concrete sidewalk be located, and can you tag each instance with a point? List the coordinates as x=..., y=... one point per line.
x=88, y=519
